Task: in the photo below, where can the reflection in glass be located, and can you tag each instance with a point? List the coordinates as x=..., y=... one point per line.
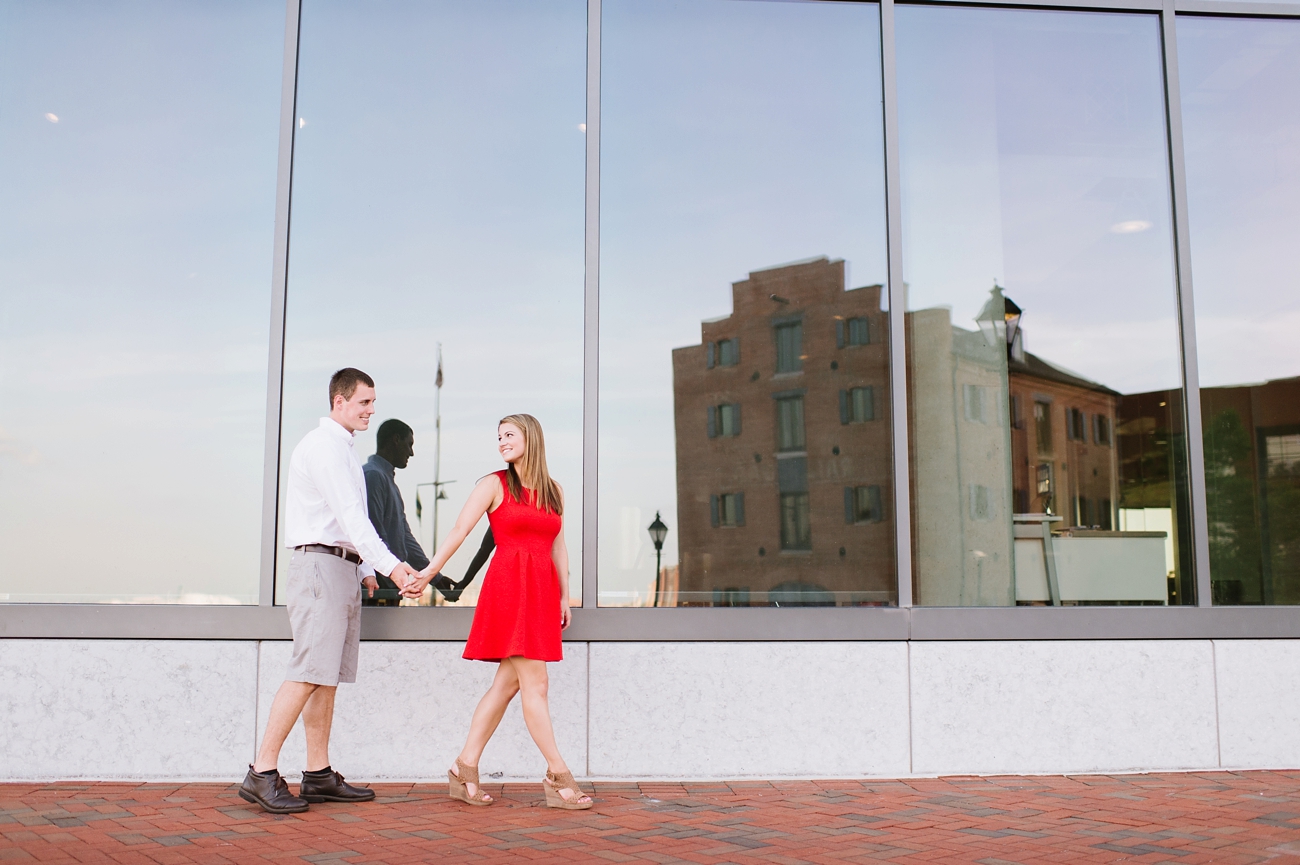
x=1034, y=160
x=1240, y=83
x=438, y=201
x=743, y=408
x=137, y=212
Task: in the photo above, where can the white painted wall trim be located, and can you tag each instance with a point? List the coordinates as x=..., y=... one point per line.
x=187, y=710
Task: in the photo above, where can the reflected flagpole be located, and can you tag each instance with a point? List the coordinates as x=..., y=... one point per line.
x=437, y=448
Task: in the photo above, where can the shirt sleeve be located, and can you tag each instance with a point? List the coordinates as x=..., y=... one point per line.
x=349, y=507
x=374, y=499
x=415, y=556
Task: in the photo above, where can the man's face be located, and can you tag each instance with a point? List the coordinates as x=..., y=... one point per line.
x=354, y=414
x=403, y=450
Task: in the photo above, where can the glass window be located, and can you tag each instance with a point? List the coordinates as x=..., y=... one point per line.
x=724, y=420
x=742, y=199
x=1240, y=83
x=1043, y=427
x=1039, y=258
x=796, y=522
x=789, y=347
x=863, y=505
x=859, y=331
x=857, y=405
x=728, y=510
x=728, y=352
x=437, y=240
x=789, y=424
x=138, y=147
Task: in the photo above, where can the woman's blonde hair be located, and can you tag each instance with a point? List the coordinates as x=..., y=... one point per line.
x=546, y=492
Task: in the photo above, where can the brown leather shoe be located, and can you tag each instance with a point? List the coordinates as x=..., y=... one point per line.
x=329, y=786
x=269, y=790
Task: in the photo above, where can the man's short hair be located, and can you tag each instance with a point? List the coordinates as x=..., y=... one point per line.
x=344, y=383
x=390, y=431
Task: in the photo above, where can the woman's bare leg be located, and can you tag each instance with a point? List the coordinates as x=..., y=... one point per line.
x=487, y=715
x=533, y=683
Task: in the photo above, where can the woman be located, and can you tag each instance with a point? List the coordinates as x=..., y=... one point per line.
x=522, y=607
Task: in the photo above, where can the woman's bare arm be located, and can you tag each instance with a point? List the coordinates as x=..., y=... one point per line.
x=560, y=556
x=486, y=494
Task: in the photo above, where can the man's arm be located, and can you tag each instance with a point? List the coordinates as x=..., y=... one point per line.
x=331, y=477
x=484, y=550
x=374, y=497
x=415, y=556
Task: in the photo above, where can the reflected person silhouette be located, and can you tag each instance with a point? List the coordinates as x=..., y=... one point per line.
x=395, y=445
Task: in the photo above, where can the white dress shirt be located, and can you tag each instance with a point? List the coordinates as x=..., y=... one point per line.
x=326, y=501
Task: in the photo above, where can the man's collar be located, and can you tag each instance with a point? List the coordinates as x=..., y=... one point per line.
x=379, y=462
x=333, y=427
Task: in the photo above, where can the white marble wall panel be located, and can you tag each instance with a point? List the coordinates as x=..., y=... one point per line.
x=1259, y=703
x=406, y=716
x=735, y=710
x=1062, y=706
x=126, y=709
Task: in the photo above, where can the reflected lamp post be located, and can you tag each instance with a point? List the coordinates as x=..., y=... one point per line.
x=658, y=531
x=999, y=320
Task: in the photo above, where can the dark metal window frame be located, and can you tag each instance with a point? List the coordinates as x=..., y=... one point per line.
x=903, y=622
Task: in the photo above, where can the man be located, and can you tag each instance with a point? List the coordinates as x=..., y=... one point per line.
x=336, y=550
x=394, y=447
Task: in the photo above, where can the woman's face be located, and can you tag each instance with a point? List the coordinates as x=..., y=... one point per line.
x=510, y=442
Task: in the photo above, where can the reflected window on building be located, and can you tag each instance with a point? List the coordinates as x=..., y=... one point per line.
x=1240, y=84
x=742, y=261
x=1043, y=427
x=1042, y=310
x=789, y=424
x=854, y=331
x=796, y=521
x=789, y=347
x=138, y=146
x=724, y=352
x=437, y=242
x=724, y=420
x=857, y=404
x=863, y=505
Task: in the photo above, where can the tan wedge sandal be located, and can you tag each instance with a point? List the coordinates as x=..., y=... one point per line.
x=458, y=785
x=564, y=781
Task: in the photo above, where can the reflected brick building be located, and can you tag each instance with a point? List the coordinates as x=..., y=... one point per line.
x=783, y=445
x=1252, y=475
x=997, y=431
x=1062, y=443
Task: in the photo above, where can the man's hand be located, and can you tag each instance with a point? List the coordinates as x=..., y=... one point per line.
x=417, y=585
x=371, y=584
x=402, y=575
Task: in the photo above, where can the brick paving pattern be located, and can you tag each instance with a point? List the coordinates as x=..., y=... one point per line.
x=1219, y=817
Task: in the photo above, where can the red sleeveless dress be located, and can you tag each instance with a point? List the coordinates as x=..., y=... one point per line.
x=518, y=610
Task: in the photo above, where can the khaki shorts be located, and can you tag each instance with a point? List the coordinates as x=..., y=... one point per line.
x=324, y=601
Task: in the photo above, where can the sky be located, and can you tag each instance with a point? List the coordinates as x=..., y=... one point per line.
x=1240, y=82
x=1033, y=152
x=137, y=195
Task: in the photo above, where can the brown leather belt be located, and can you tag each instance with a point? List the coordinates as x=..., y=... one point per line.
x=333, y=551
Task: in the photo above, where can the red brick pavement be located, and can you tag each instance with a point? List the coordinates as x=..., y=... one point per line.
x=1189, y=819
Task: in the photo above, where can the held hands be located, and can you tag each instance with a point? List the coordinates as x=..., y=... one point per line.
x=417, y=585
x=403, y=574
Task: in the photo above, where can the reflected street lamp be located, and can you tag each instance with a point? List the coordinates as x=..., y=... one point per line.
x=999, y=320
x=658, y=531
